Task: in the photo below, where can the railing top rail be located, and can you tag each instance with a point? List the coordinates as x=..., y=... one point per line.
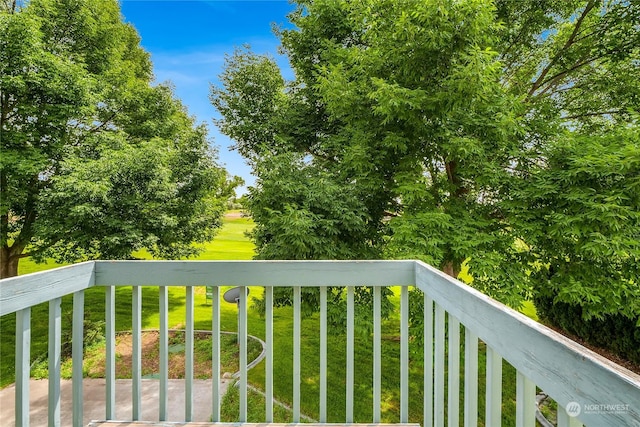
x=564, y=369
x=17, y=293
x=255, y=273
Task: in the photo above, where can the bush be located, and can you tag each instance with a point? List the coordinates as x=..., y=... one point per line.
x=617, y=333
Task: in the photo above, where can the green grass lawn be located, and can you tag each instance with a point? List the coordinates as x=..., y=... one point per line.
x=231, y=243
x=363, y=398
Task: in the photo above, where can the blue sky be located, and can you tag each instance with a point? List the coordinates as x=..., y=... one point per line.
x=187, y=40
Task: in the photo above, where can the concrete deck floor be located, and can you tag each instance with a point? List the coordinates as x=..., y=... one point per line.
x=95, y=396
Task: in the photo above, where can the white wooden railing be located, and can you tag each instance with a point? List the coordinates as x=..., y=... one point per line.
x=606, y=394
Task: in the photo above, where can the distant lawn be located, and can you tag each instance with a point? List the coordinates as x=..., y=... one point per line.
x=28, y=266
x=229, y=243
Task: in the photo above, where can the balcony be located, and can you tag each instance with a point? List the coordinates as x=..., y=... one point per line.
x=460, y=327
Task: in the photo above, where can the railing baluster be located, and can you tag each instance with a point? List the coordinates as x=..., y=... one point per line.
x=350, y=354
x=428, y=361
x=188, y=355
x=55, y=342
x=525, y=401
x=110, y=362
x=296, y=354
x=323, y=354
x=453, y=383
x=23, y=365
x=215, y=352
x=136, y=359
x=438, y=392
x=268, y=293
x=77, y=346
x=565, y=420
x=164, y=352
x=404, y=354
x=242, y=341
x=377, y=352
x=470, y=378
x=493, y=405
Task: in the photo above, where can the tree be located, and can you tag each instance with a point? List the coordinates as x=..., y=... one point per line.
x=96, y=162
x=573, y=63
x=503, y=135
x=301, y=208
x=436, y=116
x=582, y=234
x=398, y=118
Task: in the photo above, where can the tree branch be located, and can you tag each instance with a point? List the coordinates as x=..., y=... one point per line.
x=546, y=91
x=570, y=41
x=100, y=126
x=4, y=229
x=104, y=123
x=4, y=110
x=592, y=114
x=567, y=71
x=322, y=156
x=512, y=44
x=9, y=6
x=509, y=73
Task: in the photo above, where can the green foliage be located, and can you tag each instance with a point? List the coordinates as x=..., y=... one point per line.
x=96, y=162
x=301, y=212
x=573, y=62
x=575, y=202
x=501, y=134
x=249, y=102
x=583, y=225
x=389, y=140
x=153, y=195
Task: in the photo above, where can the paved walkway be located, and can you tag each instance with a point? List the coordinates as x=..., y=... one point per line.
x=94, y=401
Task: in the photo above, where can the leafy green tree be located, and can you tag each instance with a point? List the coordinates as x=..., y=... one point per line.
x=301, y=212
x=302, y=209
x=413, y=126
x=95, y=161
x=573, y=63
x=431, y=120
x=582, y=231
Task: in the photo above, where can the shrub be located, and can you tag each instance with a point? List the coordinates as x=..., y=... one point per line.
x=614, y=332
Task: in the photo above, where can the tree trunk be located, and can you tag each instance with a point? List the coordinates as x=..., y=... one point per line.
x=8, y=262
x=451, y=268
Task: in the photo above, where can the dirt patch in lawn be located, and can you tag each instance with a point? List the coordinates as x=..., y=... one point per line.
x=150, y=360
